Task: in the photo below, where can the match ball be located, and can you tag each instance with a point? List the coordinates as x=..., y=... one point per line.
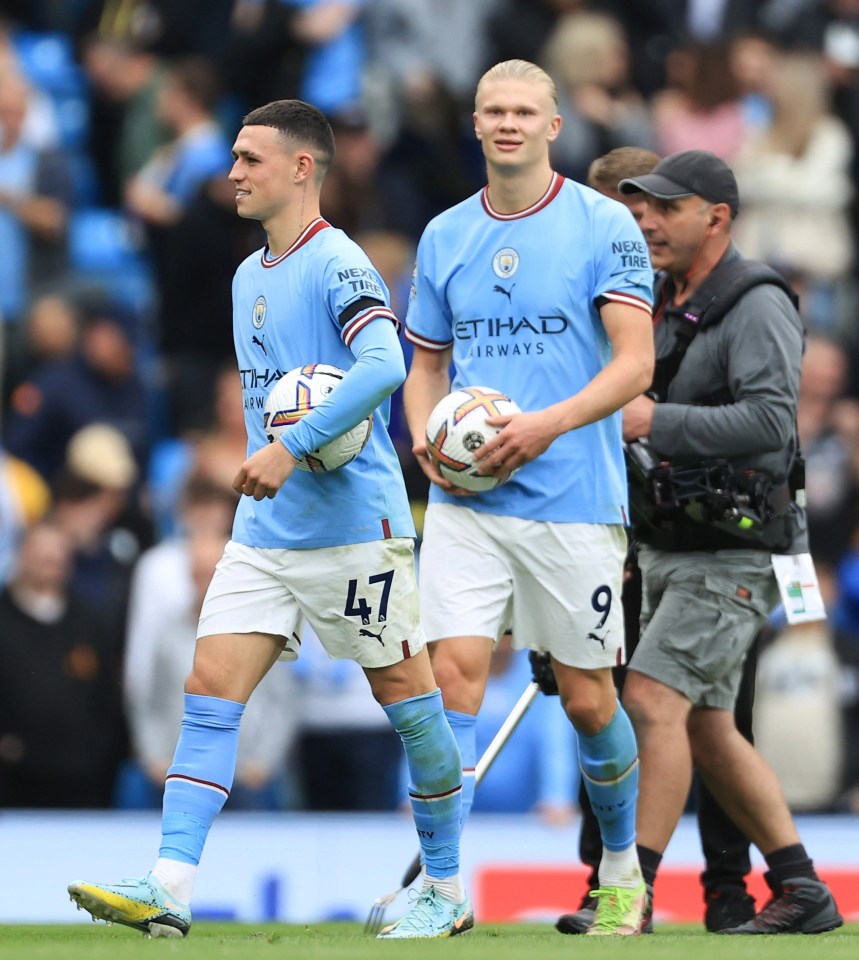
x=294, y=396
x=457, y=428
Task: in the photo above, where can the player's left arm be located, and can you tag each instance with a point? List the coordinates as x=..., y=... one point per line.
x=378, y=370
x=630, y=371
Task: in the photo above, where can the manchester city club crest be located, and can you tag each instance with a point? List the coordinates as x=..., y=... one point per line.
x=259, y=312
x=505, y=263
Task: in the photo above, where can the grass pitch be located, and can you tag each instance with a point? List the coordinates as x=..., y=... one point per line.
x=346, y=941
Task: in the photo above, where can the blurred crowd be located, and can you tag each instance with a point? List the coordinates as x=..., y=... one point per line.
x=121, y=421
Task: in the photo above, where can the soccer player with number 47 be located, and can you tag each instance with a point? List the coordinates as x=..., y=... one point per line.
x=335, y=547
x=539, y=288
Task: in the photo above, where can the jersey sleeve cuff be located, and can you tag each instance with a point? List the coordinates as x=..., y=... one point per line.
x=357, y=323
x=425, y=342
x=626, y=298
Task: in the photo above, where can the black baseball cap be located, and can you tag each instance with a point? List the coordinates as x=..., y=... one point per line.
x=686, y=174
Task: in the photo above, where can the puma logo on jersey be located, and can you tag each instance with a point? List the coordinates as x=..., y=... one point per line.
x=507, y=293
x=260, y=343
x=599, y=640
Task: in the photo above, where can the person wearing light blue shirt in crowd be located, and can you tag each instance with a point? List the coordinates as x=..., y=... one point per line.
x=167, y=183
x=36, y=193
x=539, y=288
x=335, y=548
x=333, y=73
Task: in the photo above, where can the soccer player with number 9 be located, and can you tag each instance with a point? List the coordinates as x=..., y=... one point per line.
x=540, y=288
x=334, y=547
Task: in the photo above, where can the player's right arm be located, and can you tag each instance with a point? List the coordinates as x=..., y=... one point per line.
x=428, y=381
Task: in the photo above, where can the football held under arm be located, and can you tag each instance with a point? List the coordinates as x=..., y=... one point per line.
x=378, y=370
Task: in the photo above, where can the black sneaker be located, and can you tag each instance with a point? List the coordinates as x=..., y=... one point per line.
x=728, y=905
x=800, y=906
x=647, y=916
x=579, y=921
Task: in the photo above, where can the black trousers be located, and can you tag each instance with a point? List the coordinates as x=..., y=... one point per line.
x=725, y=847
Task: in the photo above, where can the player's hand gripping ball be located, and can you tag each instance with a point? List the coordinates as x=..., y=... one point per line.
x=457, y=428
x=294, y=396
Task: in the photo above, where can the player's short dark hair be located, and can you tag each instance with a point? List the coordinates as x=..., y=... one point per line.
x=299, y=122
x=606, y=172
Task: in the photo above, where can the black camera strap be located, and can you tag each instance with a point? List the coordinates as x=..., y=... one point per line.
x=705, y=308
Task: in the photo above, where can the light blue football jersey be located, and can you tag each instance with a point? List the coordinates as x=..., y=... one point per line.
x=518, y=296
x=297, y=309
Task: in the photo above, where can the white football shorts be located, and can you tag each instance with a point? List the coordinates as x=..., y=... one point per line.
x=556, y=585
x=361, y=599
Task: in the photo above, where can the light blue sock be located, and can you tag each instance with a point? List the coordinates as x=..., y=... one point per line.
x=199, y=781
x=609, y=763
x=435, y=772
x=464, y=727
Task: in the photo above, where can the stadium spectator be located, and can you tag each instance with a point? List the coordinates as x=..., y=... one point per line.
x=126, y=79
x=198, y=152
x=404, y=52
x=215, y=451
x=35, y=197
x=61, y=728
x=24, y=499
x=94, y=501
x=265, y=59
x=333, y=32
x=659, y=28
x=700, y=108
x=587, y=54
x=51, y=333
x=214, y=441
x=795, y=178
x=178, y=193
x=99, y=383
x=752, y=56
x=520, y=28
x=169, y=29
x=40, y=126
x=53, y=329
x=351, y=195
x=831, y=451
x=159, y=652
x=551, y=556
x=432, y=162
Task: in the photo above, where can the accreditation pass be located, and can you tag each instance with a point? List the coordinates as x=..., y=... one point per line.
x=798, y=587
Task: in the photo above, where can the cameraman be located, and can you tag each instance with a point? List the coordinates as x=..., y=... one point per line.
x=724, y=391
x=726, y=850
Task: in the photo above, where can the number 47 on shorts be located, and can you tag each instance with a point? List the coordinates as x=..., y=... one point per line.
x=359, y=606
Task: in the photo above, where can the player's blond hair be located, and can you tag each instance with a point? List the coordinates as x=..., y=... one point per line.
x=518, y=70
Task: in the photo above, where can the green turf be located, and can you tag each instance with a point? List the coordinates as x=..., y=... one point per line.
x=346, y=941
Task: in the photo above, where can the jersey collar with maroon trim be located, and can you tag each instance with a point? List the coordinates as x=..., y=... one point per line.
x=554, y=187
x=306, y=234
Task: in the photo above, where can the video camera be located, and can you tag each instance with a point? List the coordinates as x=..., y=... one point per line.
x=712, y=493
